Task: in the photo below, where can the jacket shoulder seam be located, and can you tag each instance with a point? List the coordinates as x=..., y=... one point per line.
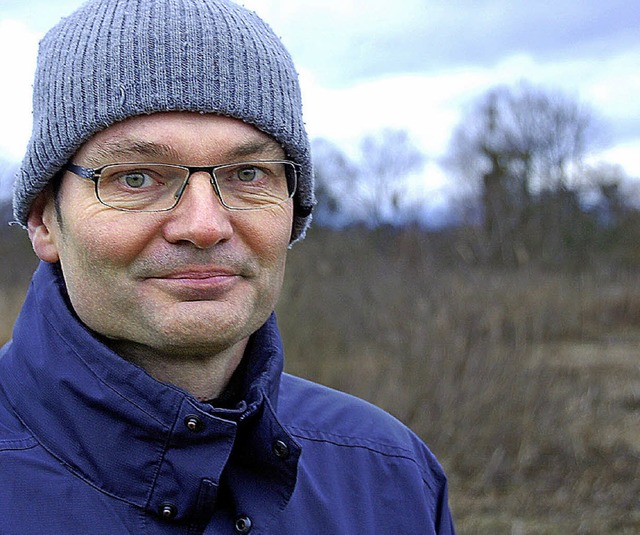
x=348, y=441
x=386, y=450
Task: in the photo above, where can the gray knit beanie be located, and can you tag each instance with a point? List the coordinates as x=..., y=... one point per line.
x=114, y=59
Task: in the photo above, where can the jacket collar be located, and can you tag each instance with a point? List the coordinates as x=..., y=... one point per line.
x=118, y=428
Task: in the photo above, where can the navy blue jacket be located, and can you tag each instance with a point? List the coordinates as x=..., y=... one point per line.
x=91, y=444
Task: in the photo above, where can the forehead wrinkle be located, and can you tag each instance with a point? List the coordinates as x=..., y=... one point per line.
x=113, y=151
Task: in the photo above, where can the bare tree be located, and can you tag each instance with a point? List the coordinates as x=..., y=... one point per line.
x=614, y=201
x=387, y=161
x=524, y=147
x=334, y=174
x=372, y=185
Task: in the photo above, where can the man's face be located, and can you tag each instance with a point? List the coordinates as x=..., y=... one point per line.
x=195, y=280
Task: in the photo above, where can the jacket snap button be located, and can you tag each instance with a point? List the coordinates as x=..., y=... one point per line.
x=243, y=524
x=280, y=449
x=168, y=511
x=193, y=423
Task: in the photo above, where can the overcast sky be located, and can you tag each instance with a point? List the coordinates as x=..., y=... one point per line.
x=414, y=64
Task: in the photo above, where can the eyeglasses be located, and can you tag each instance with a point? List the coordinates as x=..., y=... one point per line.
x=157, y=187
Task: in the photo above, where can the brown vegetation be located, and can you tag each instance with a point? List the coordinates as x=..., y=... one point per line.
x=525, y=383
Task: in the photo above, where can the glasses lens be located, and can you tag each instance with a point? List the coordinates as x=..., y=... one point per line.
x=151, y=187
x=141, y=186
x=254, y=185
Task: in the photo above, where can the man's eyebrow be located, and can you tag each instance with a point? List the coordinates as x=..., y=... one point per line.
x=254, y=148
x=129, y=149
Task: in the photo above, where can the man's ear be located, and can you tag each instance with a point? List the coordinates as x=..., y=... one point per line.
x=42, y=226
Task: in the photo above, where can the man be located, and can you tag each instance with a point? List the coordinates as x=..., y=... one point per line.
x=167, y=174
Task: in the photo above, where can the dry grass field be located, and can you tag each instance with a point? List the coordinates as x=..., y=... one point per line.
x=525, y=383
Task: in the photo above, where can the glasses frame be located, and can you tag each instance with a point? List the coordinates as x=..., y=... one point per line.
x=93, y=174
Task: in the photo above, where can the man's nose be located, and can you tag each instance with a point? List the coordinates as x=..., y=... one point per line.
x=199, y=217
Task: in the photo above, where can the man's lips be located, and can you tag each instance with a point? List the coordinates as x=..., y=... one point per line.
x=192, y=270
x=196, y=284
x=197, y=275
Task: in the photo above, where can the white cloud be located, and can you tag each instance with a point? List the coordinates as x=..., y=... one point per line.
x=17, y=63
x=431, y=104
x=626, y=155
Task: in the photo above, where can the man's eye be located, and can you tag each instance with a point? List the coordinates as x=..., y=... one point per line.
x=136, y=180
x=248, y=174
